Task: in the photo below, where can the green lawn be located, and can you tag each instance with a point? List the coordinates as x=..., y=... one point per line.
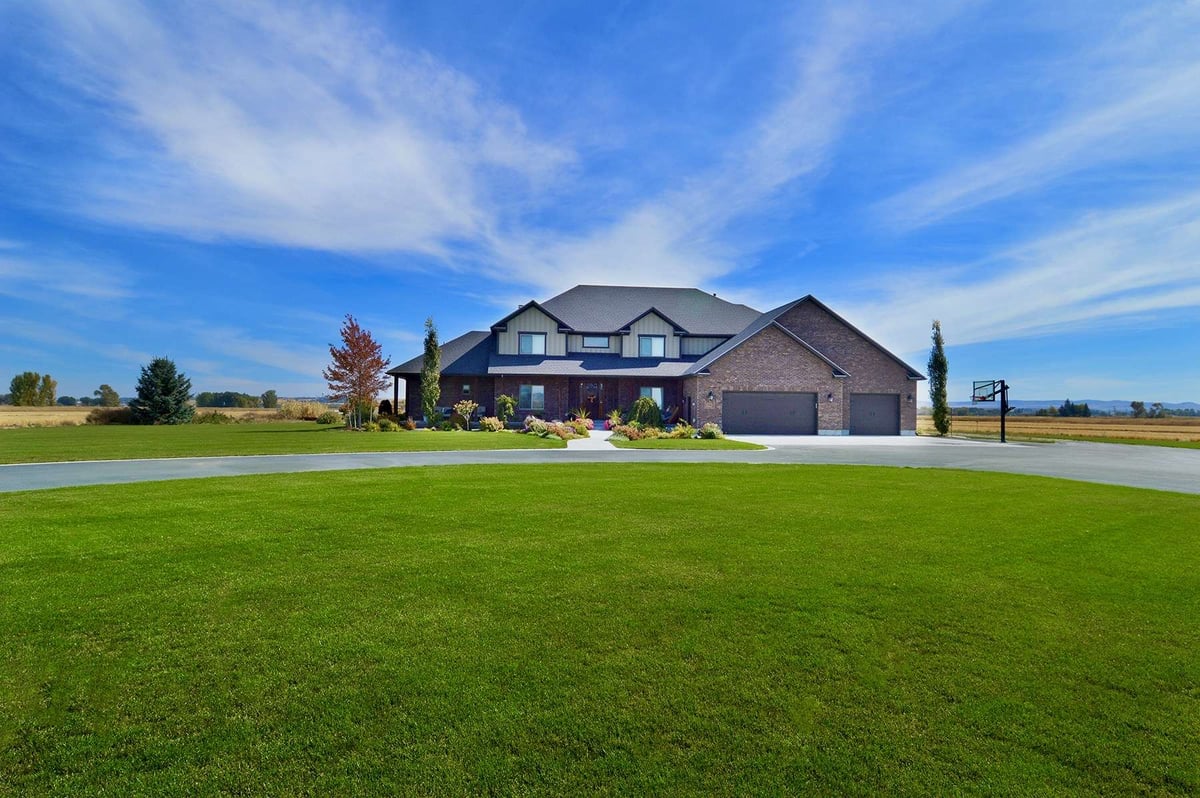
x=751, y=630
x=118, y=442
x=688, y=444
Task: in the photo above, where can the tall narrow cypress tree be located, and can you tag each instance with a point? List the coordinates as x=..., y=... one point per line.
x=939, y=369
x=431, y=371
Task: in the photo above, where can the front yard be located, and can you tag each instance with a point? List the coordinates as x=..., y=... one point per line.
x=118, y=442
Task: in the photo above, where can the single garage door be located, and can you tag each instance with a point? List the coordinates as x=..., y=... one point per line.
x=761, y=413
x=874, y=414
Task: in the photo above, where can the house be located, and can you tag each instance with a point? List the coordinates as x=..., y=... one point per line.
x=798, y=369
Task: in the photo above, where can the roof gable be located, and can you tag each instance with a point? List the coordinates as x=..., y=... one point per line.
x=765, y=321
x=606, y=309
x=913, y=374
x=502, y=325
x=651, y=312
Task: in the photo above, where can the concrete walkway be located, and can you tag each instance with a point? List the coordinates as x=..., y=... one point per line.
x=1155, y=467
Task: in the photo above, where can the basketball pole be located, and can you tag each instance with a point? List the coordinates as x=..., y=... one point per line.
x=1003, y=408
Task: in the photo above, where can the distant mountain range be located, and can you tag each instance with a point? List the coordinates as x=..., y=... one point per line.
x=1097, y=405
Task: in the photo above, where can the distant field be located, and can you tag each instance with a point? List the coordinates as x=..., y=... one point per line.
x=1162, y=431
x=73, y=416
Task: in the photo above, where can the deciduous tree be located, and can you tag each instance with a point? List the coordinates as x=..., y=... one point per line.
x=162, y=394
x=47, y=390
x=270, y=399
x=356, y=373
x=939, y=371
x=24, y=388
x=107, y=396
x=431, y=370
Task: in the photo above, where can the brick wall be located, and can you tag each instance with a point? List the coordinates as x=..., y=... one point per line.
x=871, y=371
x=770, y=361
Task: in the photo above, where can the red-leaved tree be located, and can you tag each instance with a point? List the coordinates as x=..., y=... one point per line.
x=357, y=371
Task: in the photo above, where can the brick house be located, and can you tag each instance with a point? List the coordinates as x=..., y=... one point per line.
x=797, y=369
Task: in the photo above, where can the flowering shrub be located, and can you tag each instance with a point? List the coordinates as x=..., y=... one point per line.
x=580, y=426
x=635, y=432
x=683, y=430
x=711, y=431
x=464, y=410
x=536, y=426
x=490, y=424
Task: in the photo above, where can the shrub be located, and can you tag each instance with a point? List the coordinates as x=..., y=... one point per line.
x=458, y=421
x=580, y=426
x=535, y=425
x=213, y=417
x=711, y=431
x=409, y=424
x=387, y=425
x=614, y=419
x=293, y=409
x=371, y=426
x=491, y=424
x=629, y=432
x=564, y=431
x=506, y=408
x=445, y=426
x=385, y=407
x=464, y=409
x=646, y=412
x=683, y=430
x=329, y=417
x=110, y=415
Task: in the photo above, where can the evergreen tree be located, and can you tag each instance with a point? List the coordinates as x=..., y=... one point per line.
x=162, y=395
x=431, y=370
x=939, y=370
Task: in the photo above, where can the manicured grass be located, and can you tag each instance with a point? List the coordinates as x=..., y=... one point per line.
x=116, y=442
x=685, y=444
x=750, y=630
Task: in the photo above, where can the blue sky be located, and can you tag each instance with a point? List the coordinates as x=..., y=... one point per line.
x=221, y=182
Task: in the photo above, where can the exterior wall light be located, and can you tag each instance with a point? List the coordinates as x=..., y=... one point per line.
x=829, y=396
x=711, y=396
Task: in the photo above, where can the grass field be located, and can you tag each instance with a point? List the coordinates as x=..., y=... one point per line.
x=686, y=444
x=753, y=630
x=1153, y=431
x=117, y=442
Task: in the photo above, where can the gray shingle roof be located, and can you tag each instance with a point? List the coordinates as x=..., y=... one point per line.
x=609, y=365
x=466, y=354
x=608, y=308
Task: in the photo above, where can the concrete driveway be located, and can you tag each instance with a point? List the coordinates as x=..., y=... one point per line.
x=1155, y=467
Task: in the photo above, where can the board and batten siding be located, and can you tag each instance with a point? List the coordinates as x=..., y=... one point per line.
x=534, y=321
x=652, y=324
x=694, y=345
x=575, y=344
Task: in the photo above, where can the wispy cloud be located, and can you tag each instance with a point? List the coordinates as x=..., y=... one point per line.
x=1136, y=262
x=290, y=125
x=52, y=278
x=1139, y=95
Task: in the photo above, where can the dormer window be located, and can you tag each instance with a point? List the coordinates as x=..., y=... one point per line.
x=531, y=344
x=652, y=346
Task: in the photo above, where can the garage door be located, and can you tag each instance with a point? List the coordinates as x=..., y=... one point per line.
x=760, y=413
x=874, y=414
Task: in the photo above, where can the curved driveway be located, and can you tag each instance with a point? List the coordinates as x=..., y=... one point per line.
x=1156, y=467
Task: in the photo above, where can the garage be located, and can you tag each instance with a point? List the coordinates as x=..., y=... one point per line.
x=874, y=414
x=769, y=413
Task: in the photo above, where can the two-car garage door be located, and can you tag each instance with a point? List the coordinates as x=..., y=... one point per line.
x=769, y=413
x=794, y=413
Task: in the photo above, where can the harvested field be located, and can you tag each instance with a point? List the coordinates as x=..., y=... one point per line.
x=59, y=416
x=1095, y=428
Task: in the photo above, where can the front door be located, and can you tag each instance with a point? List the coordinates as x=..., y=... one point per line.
x=591, y=399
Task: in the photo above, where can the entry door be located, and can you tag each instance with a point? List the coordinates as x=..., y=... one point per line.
x=591, y=398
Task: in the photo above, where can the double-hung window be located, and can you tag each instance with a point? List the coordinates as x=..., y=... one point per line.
x=531, y=344
x=532, y=397
x=654, y=392
x=652, y=346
